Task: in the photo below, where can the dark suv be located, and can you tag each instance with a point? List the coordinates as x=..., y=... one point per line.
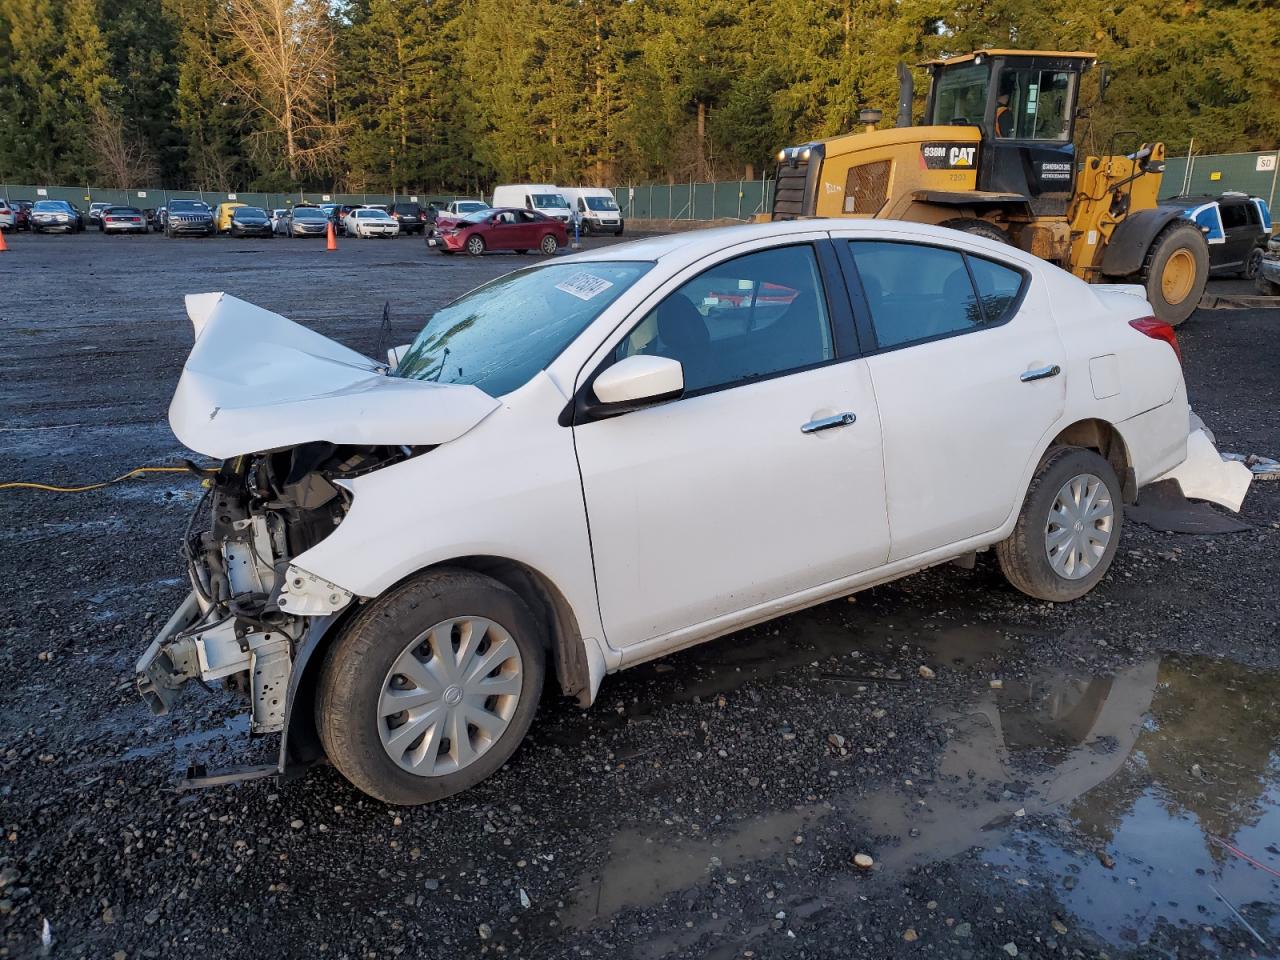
x=190, y=217
x=410, y=216
x=1236, y=225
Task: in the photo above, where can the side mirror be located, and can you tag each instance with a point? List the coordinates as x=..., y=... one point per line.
x=638, y=381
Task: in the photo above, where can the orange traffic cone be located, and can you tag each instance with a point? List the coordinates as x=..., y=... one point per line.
x=332, y=242
x=3, y=246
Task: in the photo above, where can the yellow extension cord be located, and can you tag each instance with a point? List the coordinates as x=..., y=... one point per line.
x=26, y=485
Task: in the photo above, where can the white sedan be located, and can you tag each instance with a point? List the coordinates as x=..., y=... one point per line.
x=596, y=461
x=370, y=222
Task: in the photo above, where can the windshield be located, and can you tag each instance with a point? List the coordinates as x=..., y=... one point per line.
x=373, y=214
x=499, y=335
x=477, y=216
x=470, y=206
x=309, y=213
x=187, y=206
x=250, y=212
x=960, y=96
x=601, y=203
x=549, y=200
x=56, y=206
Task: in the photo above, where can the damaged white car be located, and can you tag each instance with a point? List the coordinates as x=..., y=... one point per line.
x=598, y=460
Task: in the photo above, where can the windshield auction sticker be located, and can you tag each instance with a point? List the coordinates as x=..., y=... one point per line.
x=584, y=286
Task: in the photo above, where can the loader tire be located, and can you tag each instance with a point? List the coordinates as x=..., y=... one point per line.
x=979, y=228
x=1175, y=272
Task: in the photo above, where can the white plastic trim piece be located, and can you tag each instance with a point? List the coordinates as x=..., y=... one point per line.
x=1204, y=475
x=306, y=595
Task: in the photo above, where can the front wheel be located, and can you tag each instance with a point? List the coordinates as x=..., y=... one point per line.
x=475, y=245
x=431, y=687
x=1067, y=532
x=549, y=244
x=1176, y=270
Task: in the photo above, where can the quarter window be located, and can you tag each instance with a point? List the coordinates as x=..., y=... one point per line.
x=917, y=293
x=755, y=316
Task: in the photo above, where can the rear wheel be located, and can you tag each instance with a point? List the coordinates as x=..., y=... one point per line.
x=431, y=687
x=475, y=245
x=979, y=228
x=1252, y=264
x=1067, y=532
x=549, y=244
x=1176, y=270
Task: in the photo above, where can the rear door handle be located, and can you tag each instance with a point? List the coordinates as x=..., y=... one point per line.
x=827, y=423
x=1040, y=373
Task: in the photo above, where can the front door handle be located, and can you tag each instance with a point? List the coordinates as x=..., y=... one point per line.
x=827, y=423
x=1040, y=373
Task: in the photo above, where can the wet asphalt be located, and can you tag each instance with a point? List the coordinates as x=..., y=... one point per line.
x=1099, y=778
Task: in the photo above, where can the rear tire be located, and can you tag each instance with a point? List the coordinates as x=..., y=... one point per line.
x=1252, y=263
x=1175, y=271
x=1054, y=554
x=979, y=228
x=400, y=646
x=549, y=245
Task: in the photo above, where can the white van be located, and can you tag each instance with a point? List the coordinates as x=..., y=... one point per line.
x=542, y=197
x=596, y=209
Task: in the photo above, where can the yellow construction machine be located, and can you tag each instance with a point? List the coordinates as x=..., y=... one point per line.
x=995, y=156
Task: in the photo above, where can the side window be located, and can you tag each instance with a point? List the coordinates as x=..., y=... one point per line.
x=917, y=293
x=754, y=316
x=1233, y=215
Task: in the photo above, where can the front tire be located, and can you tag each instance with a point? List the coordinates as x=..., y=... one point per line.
x=475, y=245
x=1069, y=527
x=1176, y=270
x=431, y=688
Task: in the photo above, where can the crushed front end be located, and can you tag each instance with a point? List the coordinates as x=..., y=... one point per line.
x=250, y=607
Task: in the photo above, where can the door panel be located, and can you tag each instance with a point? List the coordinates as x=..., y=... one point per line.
x=960, y=424
x=715, y=503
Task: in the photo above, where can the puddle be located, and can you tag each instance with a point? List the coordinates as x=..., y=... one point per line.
x=1116, y=796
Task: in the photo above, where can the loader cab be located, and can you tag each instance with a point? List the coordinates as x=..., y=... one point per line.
x=1024, y=103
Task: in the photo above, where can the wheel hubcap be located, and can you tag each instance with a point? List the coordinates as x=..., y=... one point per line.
x=1079, y=527
x=1179, y=276
x=450, y=696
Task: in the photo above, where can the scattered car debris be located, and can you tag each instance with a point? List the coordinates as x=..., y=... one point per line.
x=1162, y=506
x=1262, y=468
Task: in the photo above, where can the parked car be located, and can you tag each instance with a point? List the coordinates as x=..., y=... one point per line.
x=409, y=216
x=1267, y=279
x=222, y=214
x=307, y=222
x=189, y=218
x=499, y=229
x=122, y=220
x=460, y=208
x=95, y=212
x=49, y=216
x=22, y=214
x=8, y=215
x=596, y=209
x=249, y=221
x=540, y=197
x=711, y=469
x=367, y=222
x=1236, y=225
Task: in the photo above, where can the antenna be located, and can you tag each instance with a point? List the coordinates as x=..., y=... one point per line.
x=384, y=332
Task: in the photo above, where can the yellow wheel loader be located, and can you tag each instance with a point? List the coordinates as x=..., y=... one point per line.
x=995, y=156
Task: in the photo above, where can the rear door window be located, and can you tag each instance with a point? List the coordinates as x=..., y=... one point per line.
x=916, y=293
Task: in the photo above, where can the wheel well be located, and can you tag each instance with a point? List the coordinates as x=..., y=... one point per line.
x=1104, y=439
x=551, y=609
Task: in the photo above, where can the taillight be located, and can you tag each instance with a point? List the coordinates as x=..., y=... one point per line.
x=1158, y=330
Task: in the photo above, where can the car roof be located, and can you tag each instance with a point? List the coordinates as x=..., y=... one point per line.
x=704, y=242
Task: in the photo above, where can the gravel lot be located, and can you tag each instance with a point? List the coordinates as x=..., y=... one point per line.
x=1062, y=784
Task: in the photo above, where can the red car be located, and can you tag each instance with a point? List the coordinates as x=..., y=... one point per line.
x=506, y=228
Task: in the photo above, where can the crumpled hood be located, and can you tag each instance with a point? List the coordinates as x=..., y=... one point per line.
x=255, y=381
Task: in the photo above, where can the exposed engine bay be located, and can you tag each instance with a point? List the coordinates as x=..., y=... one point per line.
x=249, y=605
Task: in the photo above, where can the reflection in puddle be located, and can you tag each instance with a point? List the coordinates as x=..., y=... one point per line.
x=1115, y=796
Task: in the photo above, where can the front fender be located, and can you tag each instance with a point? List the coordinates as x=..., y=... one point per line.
x=1131, y=239
x=300, y=740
